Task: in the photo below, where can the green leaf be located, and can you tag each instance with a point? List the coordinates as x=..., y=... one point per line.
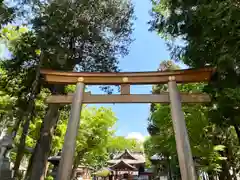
x=219, y=148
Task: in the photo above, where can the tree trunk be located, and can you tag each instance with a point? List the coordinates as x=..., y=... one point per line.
x=237, y=129
x=37, y=166
x=21, y=147
x=225, y=174
x=210, y=176
x=15, y=128
x=234, y=174
x=169, y=168
x=29, y=114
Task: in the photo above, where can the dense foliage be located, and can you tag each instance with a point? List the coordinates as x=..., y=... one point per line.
x=209, y=36
x=6, y=13
x=205, y=33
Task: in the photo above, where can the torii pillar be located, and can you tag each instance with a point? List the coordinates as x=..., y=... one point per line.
x=66, y=163
x=182, y=140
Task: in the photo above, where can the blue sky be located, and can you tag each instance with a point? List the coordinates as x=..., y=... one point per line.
x=146, y=52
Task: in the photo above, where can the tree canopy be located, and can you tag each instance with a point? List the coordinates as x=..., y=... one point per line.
x=6, y=13
x=91, y=36
x=204, y=33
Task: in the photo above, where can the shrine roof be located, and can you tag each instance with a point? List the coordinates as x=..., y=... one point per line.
x=122, y=165
x=125, y=155
x=128, y=157
x=129, y=161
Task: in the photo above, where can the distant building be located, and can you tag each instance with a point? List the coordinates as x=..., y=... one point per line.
x=128, y=165
x=81, y=172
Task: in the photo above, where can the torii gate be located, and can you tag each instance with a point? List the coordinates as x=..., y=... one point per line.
x=125, y=80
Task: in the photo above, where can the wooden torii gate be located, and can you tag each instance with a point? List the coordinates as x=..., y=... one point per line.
x=174, y=97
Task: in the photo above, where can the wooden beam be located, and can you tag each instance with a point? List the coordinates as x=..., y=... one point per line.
x=125, y=89
x=181, y=76
x=133, y=98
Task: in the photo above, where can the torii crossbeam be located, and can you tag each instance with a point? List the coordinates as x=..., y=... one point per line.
x=125, y=80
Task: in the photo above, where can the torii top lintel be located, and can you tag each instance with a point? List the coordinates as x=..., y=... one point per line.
x=157, y=77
